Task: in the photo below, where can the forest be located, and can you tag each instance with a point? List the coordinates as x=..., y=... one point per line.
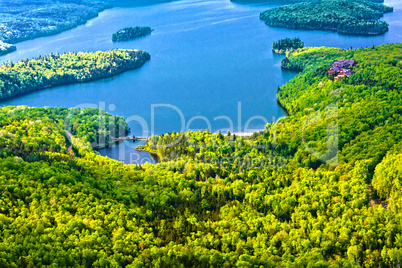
x=59, y=69
x=131, y=33
x=288, y=196
x=34, y=133
x=25, y=19
x=354, y=17
x=287, y=45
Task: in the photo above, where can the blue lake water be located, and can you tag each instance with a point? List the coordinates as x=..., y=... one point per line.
x=212, y=66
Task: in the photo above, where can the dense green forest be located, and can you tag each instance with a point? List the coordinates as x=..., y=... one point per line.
x=32, y=132
x=57, y=69
x=218, y=200
x=25, y=19
x=358, y=17
x=130, y=33
x=287, y=45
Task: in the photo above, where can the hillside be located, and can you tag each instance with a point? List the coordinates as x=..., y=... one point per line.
x=357, y=17
x=274, y=199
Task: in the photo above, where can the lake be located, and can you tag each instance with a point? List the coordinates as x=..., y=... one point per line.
x=212, y=67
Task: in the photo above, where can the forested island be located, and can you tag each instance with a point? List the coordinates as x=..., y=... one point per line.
x=25, y=19
x=217, y=200
x=59, y=69
x=287, y=45
x=356, y=17
x=130, y=33
x=6, y=48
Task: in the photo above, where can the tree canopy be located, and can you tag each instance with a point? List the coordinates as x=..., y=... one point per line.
x=287, y=45
x=357, y=17
x=217, y=200
x=59, y=69
x=130, y=33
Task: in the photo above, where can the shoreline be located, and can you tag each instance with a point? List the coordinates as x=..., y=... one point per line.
x=238, y=134
x=136, y=65
x=39, y=34
x=328, y=30
x=118, y=141
x=6, y=48
x=344, y=23
x=152, y=155
x=57, y=31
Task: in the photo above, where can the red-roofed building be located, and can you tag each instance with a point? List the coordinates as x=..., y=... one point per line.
x=338, y=68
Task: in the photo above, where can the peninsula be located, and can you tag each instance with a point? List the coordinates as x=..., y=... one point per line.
x=355, y=17
x=59, y=69
x=6, y=48
x=25, y=19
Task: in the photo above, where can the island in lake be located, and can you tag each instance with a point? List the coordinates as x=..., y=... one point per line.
x=59, y=69
x=131, y=33
x=357, y=17
x=6, y=48
x=287, y=45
